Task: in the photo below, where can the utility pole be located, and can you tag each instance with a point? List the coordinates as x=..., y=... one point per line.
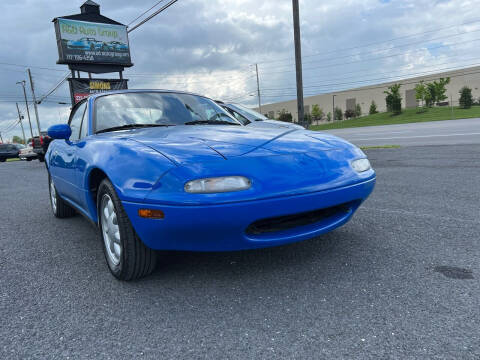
x=1, y=138
x=26, y=105
x=298, y=60
x=258, y=91
x=21, y=125
x=34, y=101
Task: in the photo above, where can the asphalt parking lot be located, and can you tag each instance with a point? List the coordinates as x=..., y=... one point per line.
x=401, y=280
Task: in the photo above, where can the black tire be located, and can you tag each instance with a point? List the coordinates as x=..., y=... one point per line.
x=3, y=160
x=60, y=209
x=28, y=159
x=41, y=158
x=135, y=260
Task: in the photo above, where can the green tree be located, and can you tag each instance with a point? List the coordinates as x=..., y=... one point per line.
x=394, y=99
x=317, y=112
x=435, y=91
x=358, y=110
x=373, y=108
x=329, y=116
x=441, y=89
x=284, y=115
x=466, y=98
x=420, y=92
x=17, y=139
x=338, y=114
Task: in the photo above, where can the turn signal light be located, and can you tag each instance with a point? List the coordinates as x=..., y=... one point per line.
x=151, y=214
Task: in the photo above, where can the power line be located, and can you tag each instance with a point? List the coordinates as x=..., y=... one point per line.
x=380, y=86
x=30, y=66
x=164, y=7
x=369, y=59
x=391, y=78
x=381, y=50
x=374, y=43
x=146, y=11
x=64, y=78
x=320, y=77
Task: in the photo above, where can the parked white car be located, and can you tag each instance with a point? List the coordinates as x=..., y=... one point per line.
x=27, y=154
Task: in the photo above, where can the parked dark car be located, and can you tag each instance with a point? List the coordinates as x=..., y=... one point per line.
x=9, y=151
x=40, y=145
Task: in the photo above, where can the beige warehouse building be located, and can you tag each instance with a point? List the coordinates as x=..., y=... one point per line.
x=348, y=99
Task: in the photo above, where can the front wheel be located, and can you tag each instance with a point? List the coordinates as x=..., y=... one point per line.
x=41, y=158
x=127, y=257
x=3, y=160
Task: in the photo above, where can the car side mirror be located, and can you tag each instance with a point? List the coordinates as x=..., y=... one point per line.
x=61, y=131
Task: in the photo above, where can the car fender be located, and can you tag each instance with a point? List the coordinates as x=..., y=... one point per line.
x=132, y=168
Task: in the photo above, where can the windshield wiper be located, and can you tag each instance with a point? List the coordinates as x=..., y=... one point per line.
x=131, y=126
x=211, y=122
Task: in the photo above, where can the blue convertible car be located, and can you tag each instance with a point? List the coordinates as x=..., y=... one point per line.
x=158, y=170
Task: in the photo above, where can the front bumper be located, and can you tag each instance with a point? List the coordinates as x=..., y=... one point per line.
x=224, y=227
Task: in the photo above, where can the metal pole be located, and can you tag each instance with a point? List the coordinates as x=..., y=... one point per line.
x=21, y=125
x=34, y=101
x=1, y=138
x=333, y=108
x=258, y=91
x=26, y=105
x=298, y=60
x=451, y=104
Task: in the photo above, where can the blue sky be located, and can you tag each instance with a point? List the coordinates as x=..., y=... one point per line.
x=210, y=47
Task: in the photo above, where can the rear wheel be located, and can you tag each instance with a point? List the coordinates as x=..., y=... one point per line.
x=3, y=160
x=59, y=207
x=41, y=158
x=127, y=257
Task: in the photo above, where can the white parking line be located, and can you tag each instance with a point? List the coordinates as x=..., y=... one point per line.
x=417, y=136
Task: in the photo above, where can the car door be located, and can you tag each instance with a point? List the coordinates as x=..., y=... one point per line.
x=81, y=159
x=62, y=166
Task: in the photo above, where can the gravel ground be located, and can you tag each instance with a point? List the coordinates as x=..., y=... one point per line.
x=401, y=280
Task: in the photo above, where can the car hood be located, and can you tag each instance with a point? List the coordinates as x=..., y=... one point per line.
x=192, y=144
x=280, y=162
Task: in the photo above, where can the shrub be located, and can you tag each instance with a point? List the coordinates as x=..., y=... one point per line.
x=317, y=112
x=284, y=115
x=394, y=99
x=466, y=98
x=307, y=119
x=338, y=114
x=373, y=108
x=349, y=114
x=358, y=110
x=329, y=116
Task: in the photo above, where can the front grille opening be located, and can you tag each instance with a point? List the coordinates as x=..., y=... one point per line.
x=287, y=222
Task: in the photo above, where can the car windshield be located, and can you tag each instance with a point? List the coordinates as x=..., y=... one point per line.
x=157, y=109
x=250, y=114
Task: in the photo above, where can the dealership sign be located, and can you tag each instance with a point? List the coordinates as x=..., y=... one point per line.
x=82, y=88
x=83, y=42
